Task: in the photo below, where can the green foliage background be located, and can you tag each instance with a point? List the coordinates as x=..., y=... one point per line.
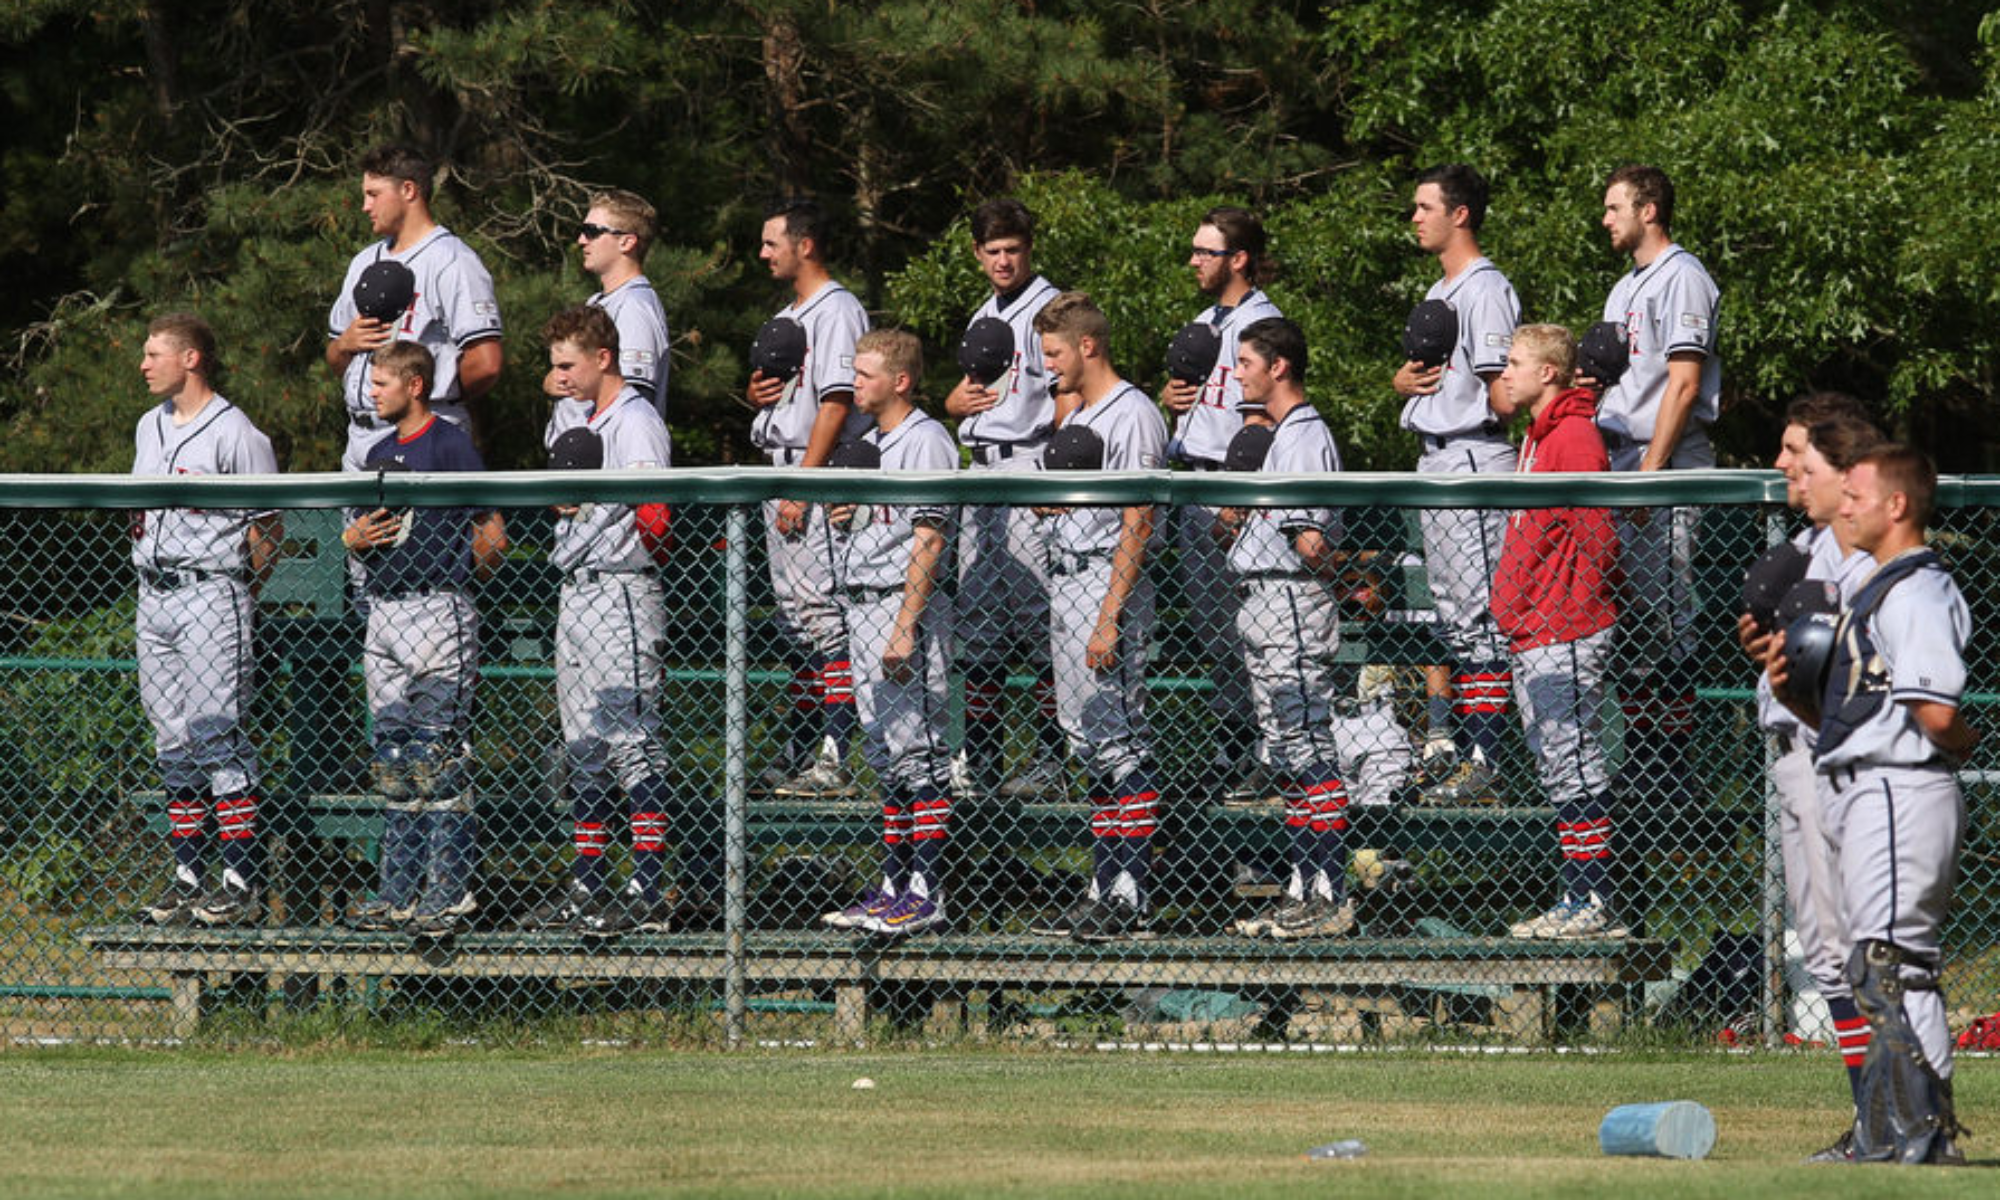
x=1830, y=157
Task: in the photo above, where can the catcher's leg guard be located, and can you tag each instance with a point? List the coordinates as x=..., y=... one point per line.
x=1903, y=1114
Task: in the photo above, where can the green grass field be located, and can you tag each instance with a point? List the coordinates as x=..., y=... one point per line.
x=629, y=1123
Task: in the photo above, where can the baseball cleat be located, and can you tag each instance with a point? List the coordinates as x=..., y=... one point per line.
x=174, y=905
x=826, y=779
x=1261, y=924
x=1113, y=920
x=378, y=916
x=1473, y=782
x=1841, y=1151
x=910, y=914
x=626, y=912
x=230, y=906
x=1585, y=917
x=1252, y=786
x=1320, y=916
x=560, y=912
x=437, y=919
x=872, y=903
x=1042, y=779
x=1438, y=760
x=1065, y=923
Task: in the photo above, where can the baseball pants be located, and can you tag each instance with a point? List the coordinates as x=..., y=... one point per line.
x=1208, y=592
x=1560, y=691
x=608, y=676
x=1896, y=832
x=1812, y=883
x=905, y=722
x=1289, y=630
x=802, y=582
x=1003, y=585
x=419, y=661
x=1657, y=607
x=1461, y=549
x=196, y=671
x=1102, y=712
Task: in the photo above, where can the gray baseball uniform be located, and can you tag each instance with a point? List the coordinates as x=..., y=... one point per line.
x=800, y=577
x=1104, y=712
x=1667, y=307
x=455, y=306
x=1897, y=818
x=196, y=658
x=612, y=620
x=905, y=721
x=643, y=340
x=1461, y=436
x=1003, y=589
x=1201, y=438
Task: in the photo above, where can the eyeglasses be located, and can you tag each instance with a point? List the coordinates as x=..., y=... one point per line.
x=593, y=232
x=1206, y=252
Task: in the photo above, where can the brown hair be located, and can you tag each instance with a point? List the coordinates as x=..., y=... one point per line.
x=399, y=161
x=586, y=326
x=1074, y=316
x=902, y=353
x=1907, y=470
x=407, y=360
x=1649, y=185
x=1842, y=440
x=190, y=332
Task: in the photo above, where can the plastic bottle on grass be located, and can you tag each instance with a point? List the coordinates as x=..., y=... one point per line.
x=1341, y=1150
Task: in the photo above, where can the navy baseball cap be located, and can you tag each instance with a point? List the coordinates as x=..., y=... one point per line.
x=384, y=290
x=1430, y=333
x=1074, y=448
x=1247, y=449
x=1191, y=356
x=858, y=455
x=986, y=350
x=779, y=349
x=1769, y=579
x=1603, y=354
x=577, y=449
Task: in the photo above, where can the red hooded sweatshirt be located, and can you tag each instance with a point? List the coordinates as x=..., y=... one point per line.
x=1558, y=570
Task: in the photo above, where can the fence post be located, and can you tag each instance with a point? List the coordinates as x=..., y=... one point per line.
x=736, y=666
x=1772, y=919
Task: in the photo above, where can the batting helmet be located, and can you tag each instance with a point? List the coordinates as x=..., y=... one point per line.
x=986, y=350
x=779, y=349
x=1430, y=333
x=1074, y=448
x=1810, y=613
x=859, y=455
x=1603, y=354
x=1191, y=356
x=385, y=290
x=577, y=449
x=1247, y=449
x=1767, y=581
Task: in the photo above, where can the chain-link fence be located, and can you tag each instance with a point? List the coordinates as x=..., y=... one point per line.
x=1262, y=792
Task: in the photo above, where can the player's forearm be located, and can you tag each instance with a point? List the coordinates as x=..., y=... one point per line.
x=1128, y=560
x=337, y=359
x=1945, y=726
x=832, y=415
x=479, y=368
x=1683, y=384
x=1315, y=551
x=489, y=545
x=921, y=578
x=263, y=539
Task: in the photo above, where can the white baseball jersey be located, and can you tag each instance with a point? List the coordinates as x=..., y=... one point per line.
x=220, y=440
x=1488, y=310
x=1301, y=444
x=1919, y=630
x=1027, y=412
x=877, y=543
x=1667, y=307
x=454, y=307
x=635, y=309
x=605, y=537
x=833, y=320
x=1203, y=432
x=1135, y=439
x=1823, y=561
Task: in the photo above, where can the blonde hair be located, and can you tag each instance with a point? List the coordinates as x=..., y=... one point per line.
x=630, y=212
x=902, y=353
x=407, y=360
x=1551, y=344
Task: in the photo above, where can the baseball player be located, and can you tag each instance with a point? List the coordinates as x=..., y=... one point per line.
x=1101, y=621
x=1554, y=599
x=1812, y=484
x=198, y=570
x=1288, y=623
x=454, y=313
x=617, y=231
x=889, y=558
x=1449, y=407
x=420, y=658
x=1891, y=735
x=1656, y=417
x=798, y=424
x=1003, y=604
x=610, y=624
x=1229, y=262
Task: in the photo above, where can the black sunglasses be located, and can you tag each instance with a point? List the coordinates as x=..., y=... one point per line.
x=598, y=231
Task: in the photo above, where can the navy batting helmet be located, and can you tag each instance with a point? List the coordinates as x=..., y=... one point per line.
x=986, y=350
x=577, y=449
x=1074, y=448
x=1192, y=355
x=1603, y=354
x=859, y=454
x=1247, y=449
x=1430, y=333
x=1810, y=613
x=1766, y=583
x=384, y=290
x=779, y=349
